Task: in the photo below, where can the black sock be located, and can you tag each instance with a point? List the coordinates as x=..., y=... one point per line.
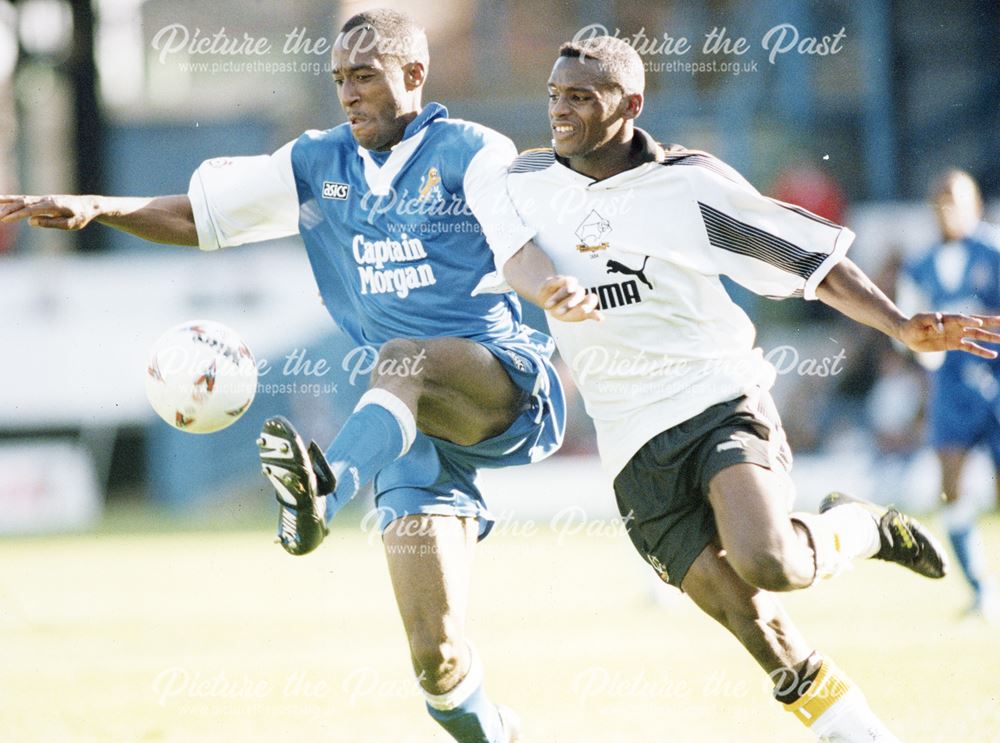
x=791, y=683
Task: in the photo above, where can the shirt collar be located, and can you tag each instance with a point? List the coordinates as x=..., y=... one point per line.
x=430, y=113
x=647, y=149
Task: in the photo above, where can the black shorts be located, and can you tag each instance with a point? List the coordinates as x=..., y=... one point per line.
x=662, y=492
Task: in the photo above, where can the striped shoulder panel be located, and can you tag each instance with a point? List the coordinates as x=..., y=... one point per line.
x=680, y=156
x=531, y=160
x=726, y=232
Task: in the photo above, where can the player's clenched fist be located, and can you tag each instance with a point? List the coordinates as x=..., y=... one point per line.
x=935, y=331
x=57, y=212
x=566, y=300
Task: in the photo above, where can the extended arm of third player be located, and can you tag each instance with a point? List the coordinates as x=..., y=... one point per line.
x=161, y=219
x=170, y=220
x=848, y=290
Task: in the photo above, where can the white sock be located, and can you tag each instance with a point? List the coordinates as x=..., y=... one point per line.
x=463, y=689
x=839, y=536
x=959, y=515
x=835, y=710
x=851, y=720
x=855, y=528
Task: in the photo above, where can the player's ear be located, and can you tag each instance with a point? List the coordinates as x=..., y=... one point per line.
x=414, y=75
x=632, y=106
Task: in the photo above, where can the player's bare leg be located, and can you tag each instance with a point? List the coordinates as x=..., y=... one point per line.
x=752, y=614
x=453, y=389
x=776, y=551
x=456, y=388
x=809, y=685
x=960, y=515
x=952, y=463
x=751, y=513
x=449, y=388
x=430, y=562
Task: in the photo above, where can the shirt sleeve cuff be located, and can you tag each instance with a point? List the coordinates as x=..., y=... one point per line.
x=842, y=242
x=515, y=238
x=207, y=239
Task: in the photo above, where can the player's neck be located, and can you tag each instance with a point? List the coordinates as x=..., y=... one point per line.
x=615, y=157
x=399, y=130
x=954, y=236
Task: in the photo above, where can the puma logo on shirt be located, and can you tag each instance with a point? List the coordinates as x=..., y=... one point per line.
x=640, y=273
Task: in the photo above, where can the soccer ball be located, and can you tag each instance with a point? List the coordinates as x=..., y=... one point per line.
x=201, y=376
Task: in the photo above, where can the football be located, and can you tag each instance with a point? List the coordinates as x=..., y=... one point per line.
x=201, y=376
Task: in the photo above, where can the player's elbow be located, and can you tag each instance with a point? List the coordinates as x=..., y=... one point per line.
x=527, y=272
x=185, y=227
x=187, y=235
x=516, y=271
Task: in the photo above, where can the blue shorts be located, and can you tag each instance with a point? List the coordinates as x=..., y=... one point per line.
x=962, y=414
x=438, y=477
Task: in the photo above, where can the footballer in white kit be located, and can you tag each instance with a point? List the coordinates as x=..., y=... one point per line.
x=651, y=243
x=678, y=393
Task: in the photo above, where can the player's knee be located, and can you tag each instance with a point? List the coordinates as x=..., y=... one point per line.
x=766, y=569
x=402, y=361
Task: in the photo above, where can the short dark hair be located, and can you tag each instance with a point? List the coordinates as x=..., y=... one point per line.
x=620, y=63
x=396, y=34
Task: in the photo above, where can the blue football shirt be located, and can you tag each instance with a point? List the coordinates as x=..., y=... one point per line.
x=959, y=276
x=402, y=244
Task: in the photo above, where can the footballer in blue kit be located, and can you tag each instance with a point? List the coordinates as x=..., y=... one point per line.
x=961, y=273
x=405, y=218
x=404, y=223
x=418, y=267
x=399, y=253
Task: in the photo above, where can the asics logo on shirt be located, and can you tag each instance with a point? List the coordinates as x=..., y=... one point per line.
x=336, y=191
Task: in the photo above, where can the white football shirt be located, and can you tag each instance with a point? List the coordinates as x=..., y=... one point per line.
x=651, y=243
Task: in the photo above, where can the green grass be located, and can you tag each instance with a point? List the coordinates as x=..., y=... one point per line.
x=131, y=635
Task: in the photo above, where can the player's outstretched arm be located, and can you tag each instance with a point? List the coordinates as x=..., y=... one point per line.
x=531, y=274
x=848, y=290
x=161, y=219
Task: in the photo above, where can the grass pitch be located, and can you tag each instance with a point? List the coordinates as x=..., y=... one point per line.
x=207, y=636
